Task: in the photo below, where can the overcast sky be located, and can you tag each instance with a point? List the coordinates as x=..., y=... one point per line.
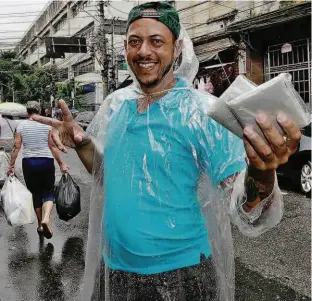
x=16, y=17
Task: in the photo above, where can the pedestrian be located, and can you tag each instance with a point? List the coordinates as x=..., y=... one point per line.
x=160, y=223
x=38, y=152
x=7, y=129
x=58, y=115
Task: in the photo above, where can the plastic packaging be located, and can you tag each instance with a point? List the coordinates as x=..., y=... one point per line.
x=276, y=95
x=221, y=112
x=261, y=218
x=67, y=198
x=17, y=203
x=4, y=166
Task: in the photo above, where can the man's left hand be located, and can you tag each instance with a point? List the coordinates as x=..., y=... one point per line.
x=268, y=155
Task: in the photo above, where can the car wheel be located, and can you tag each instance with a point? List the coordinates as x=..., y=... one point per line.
x=305, y=178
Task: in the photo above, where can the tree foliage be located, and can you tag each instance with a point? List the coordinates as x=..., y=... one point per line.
x=27, y=82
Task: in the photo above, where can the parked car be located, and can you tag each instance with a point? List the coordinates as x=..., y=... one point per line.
x=84, y=118
x=298, y=168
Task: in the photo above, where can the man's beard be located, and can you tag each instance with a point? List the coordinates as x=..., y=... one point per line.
x=158, y=80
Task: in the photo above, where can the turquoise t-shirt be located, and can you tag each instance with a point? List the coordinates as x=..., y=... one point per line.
x=153, y=163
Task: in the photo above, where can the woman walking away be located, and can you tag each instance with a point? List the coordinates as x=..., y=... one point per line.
x=38, y=165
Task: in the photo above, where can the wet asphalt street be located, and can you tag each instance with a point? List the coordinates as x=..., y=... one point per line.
x=275, y=266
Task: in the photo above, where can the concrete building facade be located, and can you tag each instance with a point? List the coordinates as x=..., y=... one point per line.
x=225, y=40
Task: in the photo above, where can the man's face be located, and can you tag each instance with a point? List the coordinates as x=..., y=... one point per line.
x=150, y=50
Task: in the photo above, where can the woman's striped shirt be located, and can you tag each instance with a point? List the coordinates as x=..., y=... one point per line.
x=35, y=137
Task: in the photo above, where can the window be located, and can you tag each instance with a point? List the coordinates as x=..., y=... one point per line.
x=44, y=60
x=84, y=67
x=88, y=34
x=63, y=74
x=61, y=23
x=33, y=48
x=78, y=7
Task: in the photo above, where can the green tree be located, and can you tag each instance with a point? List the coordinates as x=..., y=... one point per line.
x=38, y=85
x=64, y=90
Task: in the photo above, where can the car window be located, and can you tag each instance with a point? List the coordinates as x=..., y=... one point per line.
x=85, y=117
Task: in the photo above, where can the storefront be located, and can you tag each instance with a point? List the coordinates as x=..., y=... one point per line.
x=277, y=42
x=217, y=66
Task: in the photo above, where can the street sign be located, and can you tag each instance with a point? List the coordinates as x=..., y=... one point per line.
x=57, y=46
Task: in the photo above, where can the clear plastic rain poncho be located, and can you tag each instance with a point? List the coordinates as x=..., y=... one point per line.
x=166, y=171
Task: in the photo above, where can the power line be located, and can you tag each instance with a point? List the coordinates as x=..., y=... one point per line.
x=23, y=4
x=27, y=12
x=118, y=9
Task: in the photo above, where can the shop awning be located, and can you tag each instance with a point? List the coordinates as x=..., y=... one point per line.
x=209, y=51
x=279, y=16
x=218, y=65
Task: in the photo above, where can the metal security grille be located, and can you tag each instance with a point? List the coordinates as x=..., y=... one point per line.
x=297, y=62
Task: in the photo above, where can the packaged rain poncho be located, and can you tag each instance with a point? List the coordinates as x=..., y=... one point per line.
x=156, y=182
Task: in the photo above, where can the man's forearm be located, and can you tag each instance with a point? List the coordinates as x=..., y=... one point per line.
x=87, y=155
x=258, y=186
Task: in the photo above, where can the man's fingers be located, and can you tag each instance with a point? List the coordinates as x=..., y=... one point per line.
x=259, y=145
x=272, y=134
x=67, y=116
x=292, y=131
x=56, y=139
x=47, y=120
x=253, y=157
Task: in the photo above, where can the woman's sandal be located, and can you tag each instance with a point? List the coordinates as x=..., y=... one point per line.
x=40, y=231
x=47, y=232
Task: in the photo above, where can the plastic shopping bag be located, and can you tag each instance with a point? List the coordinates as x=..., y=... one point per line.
x=67, y=198
x=274, y=96
x=4, y=166
x=17, y=203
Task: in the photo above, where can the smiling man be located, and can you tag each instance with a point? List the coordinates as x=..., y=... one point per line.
x=167, y=168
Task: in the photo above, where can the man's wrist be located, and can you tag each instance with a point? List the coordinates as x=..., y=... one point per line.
x=85, y=142
x=263, y=179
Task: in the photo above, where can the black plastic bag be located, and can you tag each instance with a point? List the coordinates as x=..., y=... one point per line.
x=67, y=198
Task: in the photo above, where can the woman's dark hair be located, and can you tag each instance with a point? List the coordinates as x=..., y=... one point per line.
x=31, y=111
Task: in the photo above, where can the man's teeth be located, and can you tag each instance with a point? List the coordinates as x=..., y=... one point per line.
x=147, y=65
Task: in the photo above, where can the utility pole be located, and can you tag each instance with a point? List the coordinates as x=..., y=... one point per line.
x=53, y=86
x=113, y=76
x=104, y=58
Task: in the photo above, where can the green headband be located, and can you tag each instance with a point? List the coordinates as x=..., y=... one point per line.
x=161, y=11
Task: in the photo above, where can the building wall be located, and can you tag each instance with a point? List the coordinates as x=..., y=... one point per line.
x=73, y=25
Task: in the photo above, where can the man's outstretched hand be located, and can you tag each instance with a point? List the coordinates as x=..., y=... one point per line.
x=66, y=133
